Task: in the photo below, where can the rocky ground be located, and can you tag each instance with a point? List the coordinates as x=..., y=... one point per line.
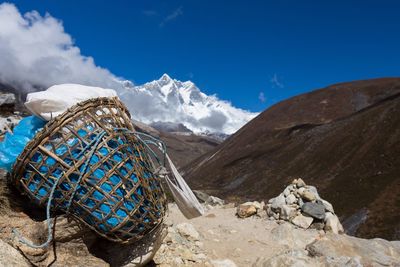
x=226, y=235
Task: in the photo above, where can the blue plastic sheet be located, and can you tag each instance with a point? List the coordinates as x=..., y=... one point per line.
x=14, y=143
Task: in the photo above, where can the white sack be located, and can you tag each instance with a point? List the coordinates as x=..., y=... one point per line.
x=58, y=98
x=183, y=195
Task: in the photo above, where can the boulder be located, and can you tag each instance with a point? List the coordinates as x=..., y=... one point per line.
x=315, y=210
x=373, y=252
x=307, y=195
x=300, y=183
x=246, y=210
x=302, y=221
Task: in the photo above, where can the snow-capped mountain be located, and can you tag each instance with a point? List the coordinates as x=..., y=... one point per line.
x=170, y=100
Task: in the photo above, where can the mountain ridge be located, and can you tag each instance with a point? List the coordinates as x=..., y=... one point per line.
x=174, y=101
x=348, y=148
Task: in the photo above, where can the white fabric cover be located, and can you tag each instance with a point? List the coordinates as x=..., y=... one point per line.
x=183, y=195
x=58, y=98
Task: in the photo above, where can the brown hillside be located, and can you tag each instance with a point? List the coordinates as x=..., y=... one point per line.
x=345, y=139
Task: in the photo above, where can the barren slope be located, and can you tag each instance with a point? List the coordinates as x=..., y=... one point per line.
x=345, y=139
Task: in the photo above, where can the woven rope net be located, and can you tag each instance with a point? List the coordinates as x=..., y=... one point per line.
x=100, y=175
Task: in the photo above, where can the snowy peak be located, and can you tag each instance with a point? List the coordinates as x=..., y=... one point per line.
x=173, y=101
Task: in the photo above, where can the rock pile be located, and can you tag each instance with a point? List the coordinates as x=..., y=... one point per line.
x=301, y=205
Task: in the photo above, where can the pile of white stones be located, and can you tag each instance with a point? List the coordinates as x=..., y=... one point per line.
x=301, y=205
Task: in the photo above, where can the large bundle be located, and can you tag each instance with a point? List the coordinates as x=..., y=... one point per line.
x=87, y=163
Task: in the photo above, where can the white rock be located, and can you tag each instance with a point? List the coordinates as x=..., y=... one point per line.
x=188, y=231
x=333, y=224
x=300, y=183
x=300, y=190
x=328, y=206
x=278, y=202
x=287, y=212
x=286, y=192
x=302, y=221
x=291, y=199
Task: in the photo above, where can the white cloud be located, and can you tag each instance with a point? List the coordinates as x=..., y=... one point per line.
x=261, y=97
x=172, y=16
x=35, y=51
x=275, y=81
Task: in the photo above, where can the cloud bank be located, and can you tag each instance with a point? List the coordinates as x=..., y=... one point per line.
x=36, y=52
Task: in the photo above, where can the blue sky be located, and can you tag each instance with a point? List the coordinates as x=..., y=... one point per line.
x=252, y=53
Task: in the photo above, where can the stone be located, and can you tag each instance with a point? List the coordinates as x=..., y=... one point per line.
x=300, y=183
x=313, y=190
x=332, y=224
x=287, y=212
x=278, y=202
x=188, y=231
x=315, y=210
x=286, y=192
x=300, y=201
x=246, y=210
x=9, y=256
x=328, y=206
x=369, y=252
x=302, y=221
x=308, y=195
x=214, y=201
x=290, y=199
x=223, y=263
x=300, y=190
